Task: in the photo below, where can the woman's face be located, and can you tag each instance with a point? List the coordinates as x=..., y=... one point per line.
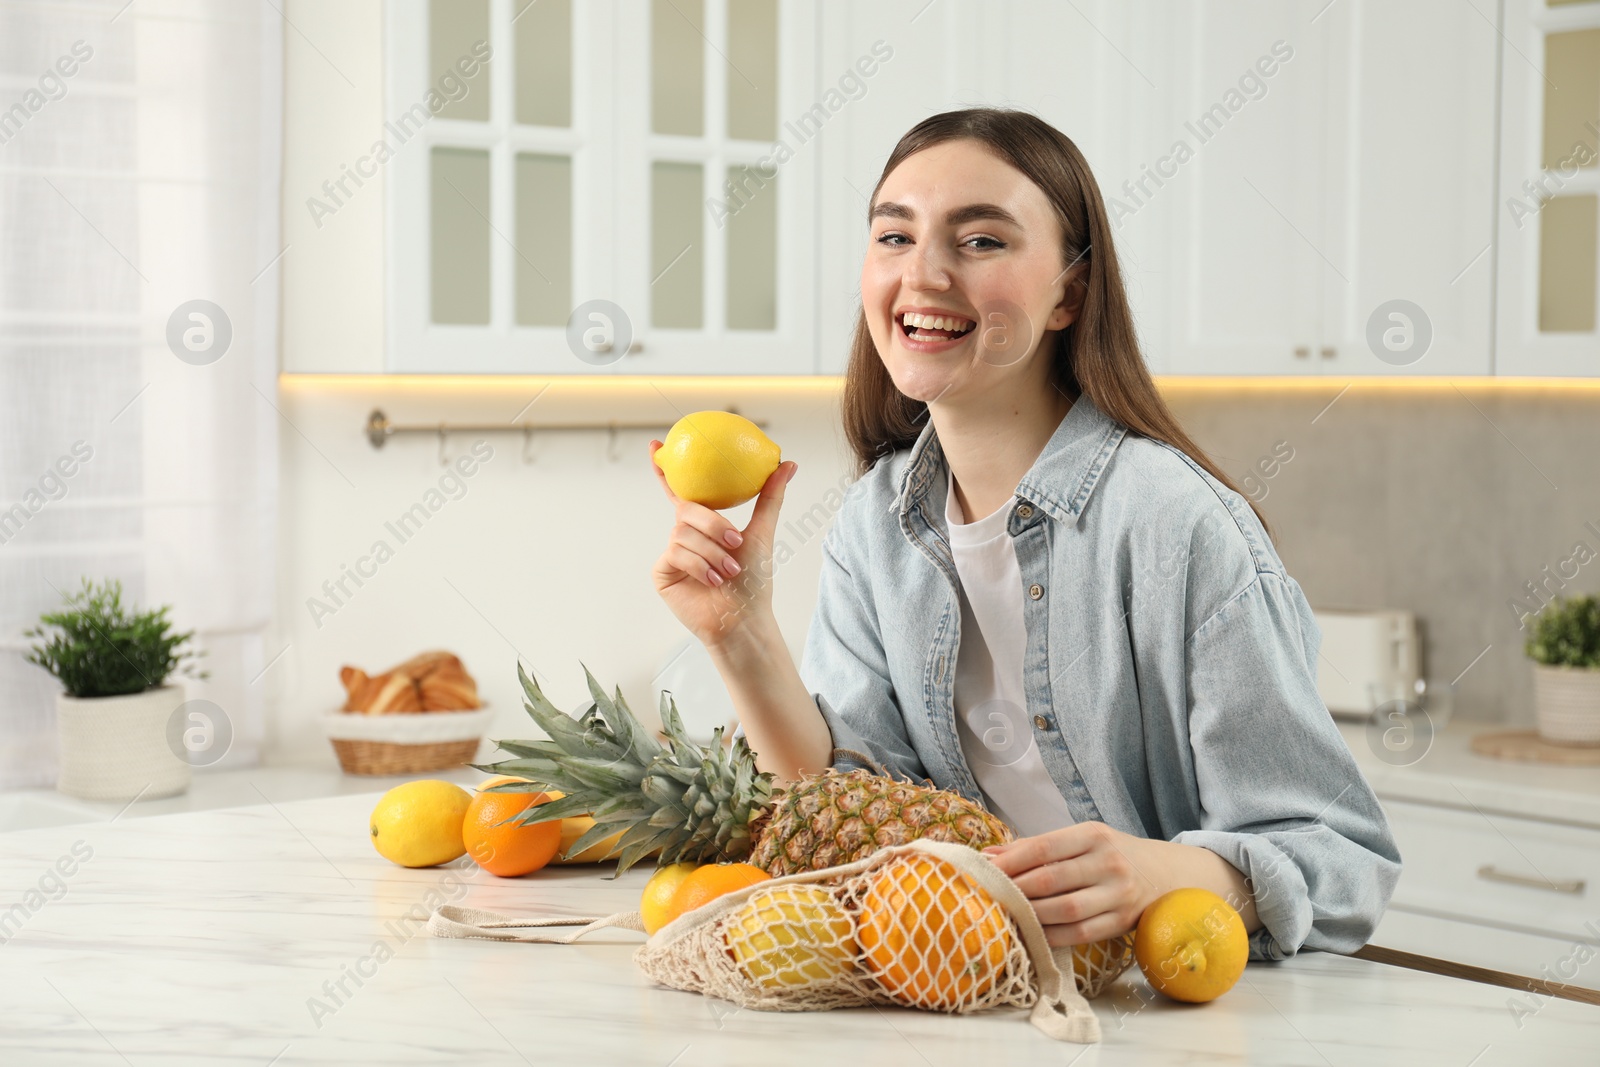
x=970, y=249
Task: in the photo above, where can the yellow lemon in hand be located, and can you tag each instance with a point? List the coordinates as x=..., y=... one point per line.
x=418, y=824
x=792, y=935
x=717, y=458
x=1191, y=945
x=655, y=905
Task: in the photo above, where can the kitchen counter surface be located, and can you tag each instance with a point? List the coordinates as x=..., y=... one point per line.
x=1449, y=773
x=222, y=937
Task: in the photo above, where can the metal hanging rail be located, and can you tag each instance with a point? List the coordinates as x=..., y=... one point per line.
x=379, y=429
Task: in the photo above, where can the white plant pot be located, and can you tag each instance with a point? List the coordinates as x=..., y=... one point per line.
x=1566, y=703
x=115, y=748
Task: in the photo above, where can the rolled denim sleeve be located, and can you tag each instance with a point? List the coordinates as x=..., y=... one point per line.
x=847, y=672
x=1281, y=795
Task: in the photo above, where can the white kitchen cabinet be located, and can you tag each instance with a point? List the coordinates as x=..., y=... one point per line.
x=1242, y=174
x=1408, y=186
x=1491, y=889
x=659, y=221
x=1276, y=174
x=1351, y=175
x=1512, y=951
x=1549, y=285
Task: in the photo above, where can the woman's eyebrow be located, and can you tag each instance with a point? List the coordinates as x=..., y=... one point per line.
x=970, y=213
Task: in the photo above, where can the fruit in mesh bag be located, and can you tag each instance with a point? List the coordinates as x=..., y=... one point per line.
x=791, y=936
x=930, y=936
x=1097, y=963
x=705, y=804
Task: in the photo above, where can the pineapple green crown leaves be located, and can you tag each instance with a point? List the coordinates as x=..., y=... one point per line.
x=694, y=802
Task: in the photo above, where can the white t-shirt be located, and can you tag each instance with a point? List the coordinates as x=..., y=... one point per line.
x=992, y=718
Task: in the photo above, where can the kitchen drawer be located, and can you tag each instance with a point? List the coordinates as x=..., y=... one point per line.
x=1529, y=955
x=1502, y=869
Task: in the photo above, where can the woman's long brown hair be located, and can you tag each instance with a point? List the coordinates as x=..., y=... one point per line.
x=1097, y=356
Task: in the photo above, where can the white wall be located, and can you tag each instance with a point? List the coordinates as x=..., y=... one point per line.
x=548, y=559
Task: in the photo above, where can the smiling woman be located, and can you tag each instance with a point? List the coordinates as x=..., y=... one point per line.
x=1040, y=594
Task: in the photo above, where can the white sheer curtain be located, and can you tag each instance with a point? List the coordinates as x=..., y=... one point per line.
x=139, y=166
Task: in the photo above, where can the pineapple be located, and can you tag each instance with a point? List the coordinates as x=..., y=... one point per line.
x=708, y=804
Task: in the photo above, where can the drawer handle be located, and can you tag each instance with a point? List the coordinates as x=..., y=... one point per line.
x=1491, y=873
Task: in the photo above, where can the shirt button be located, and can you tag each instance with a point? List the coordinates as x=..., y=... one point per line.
x=1041, y=722
x=1036, y=591
x=1024, y=512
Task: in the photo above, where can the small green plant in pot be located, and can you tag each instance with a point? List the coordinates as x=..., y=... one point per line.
x=116, y=665
x=1565, y=649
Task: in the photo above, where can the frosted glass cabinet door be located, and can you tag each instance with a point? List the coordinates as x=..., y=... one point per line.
x=1549, y=285
x=500, y=185
x=715, y=206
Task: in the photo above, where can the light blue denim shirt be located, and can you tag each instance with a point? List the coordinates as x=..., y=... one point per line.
x=1170, y=668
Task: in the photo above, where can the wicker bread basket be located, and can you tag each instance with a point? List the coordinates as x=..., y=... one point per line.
x=405, y=743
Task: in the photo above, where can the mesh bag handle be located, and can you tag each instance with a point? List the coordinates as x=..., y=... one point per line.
x=452, y=920
x=689, y=953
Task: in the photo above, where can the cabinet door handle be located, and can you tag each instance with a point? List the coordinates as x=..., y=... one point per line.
x=1328, y=352
x=1302, y=351
x=1489, y=872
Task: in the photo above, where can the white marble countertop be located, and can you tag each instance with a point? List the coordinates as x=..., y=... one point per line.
x=210, y=936
x=1448, y=772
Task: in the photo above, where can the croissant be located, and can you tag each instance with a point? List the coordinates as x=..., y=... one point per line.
x=431, y=681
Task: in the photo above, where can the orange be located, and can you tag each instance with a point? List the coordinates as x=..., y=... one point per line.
x=655, y=904
x=1191, y=945
x=931, y=938
x=1098, y=963
x=707, y=883
x=504, y=848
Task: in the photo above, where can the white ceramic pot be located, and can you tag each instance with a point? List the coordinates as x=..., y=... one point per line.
x=115, y=748
x=1566, y=703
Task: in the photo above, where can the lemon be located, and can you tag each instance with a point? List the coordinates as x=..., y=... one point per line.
x=654, y=904
x=792, y=935
x=1191, y=945
x=717, y=458
x=574, y=827
x=418, y=824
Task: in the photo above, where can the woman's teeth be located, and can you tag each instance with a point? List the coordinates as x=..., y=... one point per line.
x=934, y=327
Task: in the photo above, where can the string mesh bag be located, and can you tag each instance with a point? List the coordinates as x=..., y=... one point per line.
x=929, y=925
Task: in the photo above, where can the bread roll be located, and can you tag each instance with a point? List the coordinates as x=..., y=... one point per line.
x=430, y=681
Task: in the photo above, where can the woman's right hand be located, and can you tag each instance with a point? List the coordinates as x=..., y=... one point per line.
x=715, y=578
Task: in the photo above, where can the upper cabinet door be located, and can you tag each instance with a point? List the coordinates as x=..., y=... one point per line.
x=716, y=172
x=1407, y=187
x=497, y=217
x=886, y=66
x=1549, y=286
x=1335, y=216
x=611, y=190
x=1243, y=170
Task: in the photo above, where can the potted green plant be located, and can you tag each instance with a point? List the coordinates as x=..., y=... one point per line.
x=115, y=665
x=1565, y=649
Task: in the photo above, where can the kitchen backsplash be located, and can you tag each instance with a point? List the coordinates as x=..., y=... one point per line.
x=1447, y=501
